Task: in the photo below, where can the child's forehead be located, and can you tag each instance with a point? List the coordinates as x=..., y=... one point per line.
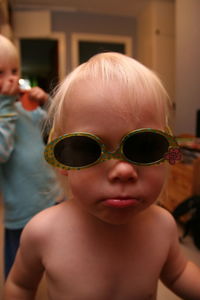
x=93, y=96
x=111, y=95
x=96, y=89
x=9, y=61
x=91, y=104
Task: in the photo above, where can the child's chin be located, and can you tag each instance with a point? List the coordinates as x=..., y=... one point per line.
x=116, y=219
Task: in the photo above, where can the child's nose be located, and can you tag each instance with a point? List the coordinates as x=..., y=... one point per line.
x=123, y=171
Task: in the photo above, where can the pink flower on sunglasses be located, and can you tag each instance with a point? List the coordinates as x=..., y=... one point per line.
x=173, y=155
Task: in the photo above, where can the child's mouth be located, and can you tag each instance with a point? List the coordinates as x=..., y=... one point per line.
x=120, y=202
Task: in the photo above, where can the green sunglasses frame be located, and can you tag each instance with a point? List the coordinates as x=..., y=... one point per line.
x=171, y=156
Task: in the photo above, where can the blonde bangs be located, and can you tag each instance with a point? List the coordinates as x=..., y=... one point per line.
x=139, y=84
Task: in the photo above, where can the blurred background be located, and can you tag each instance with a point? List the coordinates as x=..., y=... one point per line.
x=54, y=36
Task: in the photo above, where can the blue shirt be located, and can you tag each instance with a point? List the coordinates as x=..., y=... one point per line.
x=27, y=182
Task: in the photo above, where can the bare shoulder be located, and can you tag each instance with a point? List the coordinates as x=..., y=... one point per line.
x=162, y=218
x=163, y=213
x=44, y=223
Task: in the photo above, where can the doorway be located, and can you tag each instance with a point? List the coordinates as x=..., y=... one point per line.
x=39, y=62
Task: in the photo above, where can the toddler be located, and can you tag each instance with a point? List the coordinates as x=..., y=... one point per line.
x=110, y=145
x=27, y=183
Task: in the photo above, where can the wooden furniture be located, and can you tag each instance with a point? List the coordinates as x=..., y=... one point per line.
x=183, y=182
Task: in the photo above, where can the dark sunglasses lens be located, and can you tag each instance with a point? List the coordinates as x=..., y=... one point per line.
x=145, y=147
x=77, y=151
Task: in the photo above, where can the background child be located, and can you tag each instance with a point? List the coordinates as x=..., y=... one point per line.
x=109, y=240
x=26, y=181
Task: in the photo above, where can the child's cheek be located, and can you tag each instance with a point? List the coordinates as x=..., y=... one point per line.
x=153, y=177
x=62, y=172
x=159, y=179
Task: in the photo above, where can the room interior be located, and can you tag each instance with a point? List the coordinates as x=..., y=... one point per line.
x=162, y=34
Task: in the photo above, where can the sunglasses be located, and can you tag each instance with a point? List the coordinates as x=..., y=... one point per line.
x=140, y=147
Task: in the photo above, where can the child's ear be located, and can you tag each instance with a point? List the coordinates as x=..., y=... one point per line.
x=62, y=172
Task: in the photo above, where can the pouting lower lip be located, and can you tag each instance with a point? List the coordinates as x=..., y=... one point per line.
x=120, y=202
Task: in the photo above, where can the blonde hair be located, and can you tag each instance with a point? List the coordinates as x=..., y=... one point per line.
x=138, y=82
x=8, y=52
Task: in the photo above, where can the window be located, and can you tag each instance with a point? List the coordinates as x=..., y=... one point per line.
x=86, y=45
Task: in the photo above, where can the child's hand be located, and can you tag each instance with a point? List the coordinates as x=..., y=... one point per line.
x=9, y=86
x=37, y=94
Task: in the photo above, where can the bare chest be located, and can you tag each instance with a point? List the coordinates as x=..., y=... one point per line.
x=85, y=270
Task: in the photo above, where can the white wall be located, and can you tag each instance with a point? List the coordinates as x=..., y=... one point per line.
x=187, y=65
x=90, y=23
